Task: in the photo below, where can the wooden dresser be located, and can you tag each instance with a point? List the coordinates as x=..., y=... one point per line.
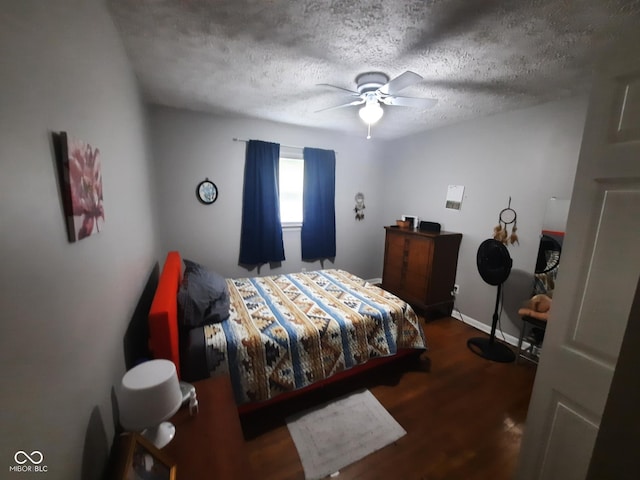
x=420, y=268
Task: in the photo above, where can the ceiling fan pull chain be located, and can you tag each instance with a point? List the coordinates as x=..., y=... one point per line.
x=369, y=131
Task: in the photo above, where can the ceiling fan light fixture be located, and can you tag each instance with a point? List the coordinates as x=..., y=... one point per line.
x=371, y=112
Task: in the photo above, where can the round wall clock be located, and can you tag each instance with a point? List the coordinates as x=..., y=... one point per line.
x=207, y=192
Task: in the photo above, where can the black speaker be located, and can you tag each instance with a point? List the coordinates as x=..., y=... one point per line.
x=432, y=227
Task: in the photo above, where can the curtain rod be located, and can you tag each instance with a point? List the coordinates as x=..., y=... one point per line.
x=236, y=139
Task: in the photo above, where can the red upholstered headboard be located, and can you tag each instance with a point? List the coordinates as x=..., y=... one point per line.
x=163, y=316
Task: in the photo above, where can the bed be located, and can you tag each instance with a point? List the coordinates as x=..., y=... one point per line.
x=285, y=334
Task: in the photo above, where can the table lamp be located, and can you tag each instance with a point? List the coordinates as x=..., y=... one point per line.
x=150, y=394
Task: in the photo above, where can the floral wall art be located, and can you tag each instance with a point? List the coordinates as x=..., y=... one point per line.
x=80, y=175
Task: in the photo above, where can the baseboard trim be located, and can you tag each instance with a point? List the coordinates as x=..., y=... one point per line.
x=510, y=339
x=374, y=281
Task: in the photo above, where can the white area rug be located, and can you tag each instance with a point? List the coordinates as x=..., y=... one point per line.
x=341, y=432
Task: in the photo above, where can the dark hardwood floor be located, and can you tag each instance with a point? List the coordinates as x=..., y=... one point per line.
x=463, y=415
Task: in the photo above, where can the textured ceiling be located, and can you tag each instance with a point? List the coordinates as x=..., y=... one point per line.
x=264, y=58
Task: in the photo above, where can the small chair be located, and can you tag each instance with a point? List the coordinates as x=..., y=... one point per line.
x=534, y=323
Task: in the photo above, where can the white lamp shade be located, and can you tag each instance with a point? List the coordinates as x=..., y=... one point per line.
x=371, y=112
x=149, y=394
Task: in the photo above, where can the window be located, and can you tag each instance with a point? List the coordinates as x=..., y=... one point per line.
x=291, y=188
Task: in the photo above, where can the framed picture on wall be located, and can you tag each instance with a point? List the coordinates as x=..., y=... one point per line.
x=80, y=178
x=455, y=193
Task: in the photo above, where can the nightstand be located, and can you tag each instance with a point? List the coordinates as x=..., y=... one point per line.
x=210, y=444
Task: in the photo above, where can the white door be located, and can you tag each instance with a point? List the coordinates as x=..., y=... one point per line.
x=597, y=281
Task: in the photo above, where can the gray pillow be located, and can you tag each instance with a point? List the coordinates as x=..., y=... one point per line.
x=203, y=296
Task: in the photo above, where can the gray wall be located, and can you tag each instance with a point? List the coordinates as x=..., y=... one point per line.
x=65, y=307
x=529, y=155
x=190, y=146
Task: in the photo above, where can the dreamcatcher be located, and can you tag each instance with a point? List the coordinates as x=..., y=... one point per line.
x=508, y=216
x=359, y=208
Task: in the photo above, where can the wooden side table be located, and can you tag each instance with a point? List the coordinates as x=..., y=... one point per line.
x=210, y=444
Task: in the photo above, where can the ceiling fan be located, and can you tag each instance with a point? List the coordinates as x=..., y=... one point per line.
x=375, y=88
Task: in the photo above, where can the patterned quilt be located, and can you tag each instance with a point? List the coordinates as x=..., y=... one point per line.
x=285, y=332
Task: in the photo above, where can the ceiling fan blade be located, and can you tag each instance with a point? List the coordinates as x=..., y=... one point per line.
x=360, y=101
x=352, y=92
x=410, y=102
x=403, y=80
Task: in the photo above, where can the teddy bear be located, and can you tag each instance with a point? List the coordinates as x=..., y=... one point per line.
x=537, y=307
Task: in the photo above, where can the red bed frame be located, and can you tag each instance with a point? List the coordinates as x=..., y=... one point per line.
x=163, y=334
